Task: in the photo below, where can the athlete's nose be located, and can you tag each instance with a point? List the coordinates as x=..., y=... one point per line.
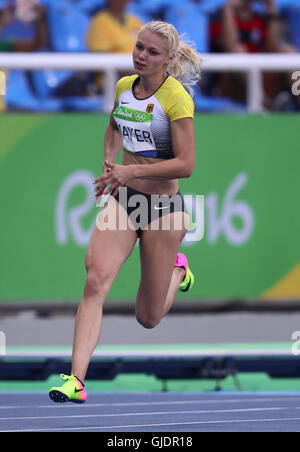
x=142, y=55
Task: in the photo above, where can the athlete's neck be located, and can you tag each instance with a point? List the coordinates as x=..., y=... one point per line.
x=149, y=85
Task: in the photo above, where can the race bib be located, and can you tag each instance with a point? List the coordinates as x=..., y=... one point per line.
x=135, y=127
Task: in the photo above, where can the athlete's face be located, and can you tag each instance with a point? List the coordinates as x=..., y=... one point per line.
x=151, y=54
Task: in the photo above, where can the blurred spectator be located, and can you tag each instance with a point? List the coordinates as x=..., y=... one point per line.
x=35, y=14
x=39, y=21
x=113, y=30
x=239, y=28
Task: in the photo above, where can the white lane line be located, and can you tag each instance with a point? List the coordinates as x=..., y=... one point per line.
x=169, y=424
x=151, y=413
x=141, y=354
x=127, y=404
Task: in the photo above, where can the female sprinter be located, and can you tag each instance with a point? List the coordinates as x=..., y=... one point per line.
x=153, y=119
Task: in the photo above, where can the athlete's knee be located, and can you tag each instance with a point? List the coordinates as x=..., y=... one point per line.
x=148, y=321
x=95, y=284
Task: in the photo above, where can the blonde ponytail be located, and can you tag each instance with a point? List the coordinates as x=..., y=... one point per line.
x=185, y=65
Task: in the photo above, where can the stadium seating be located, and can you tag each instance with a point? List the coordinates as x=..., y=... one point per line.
x=87, y=104
x=190, y=21
x=68, y=22
x=293, y=16
x=149, y=10
x=20, y=97
x=145, y=15
x=67, y=26
x=17, y=30
x=47, y=82
x=90, y=6
x=216, y=104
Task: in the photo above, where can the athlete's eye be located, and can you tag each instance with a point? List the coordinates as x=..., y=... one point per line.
x=153, y=52
x=139, y=46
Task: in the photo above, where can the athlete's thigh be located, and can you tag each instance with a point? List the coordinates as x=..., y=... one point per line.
x=110, y=245
x=158, y=250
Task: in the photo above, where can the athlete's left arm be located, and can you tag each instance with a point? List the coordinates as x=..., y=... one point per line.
x=182, y=166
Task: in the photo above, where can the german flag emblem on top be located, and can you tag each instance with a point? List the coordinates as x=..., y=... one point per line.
x=150, y=108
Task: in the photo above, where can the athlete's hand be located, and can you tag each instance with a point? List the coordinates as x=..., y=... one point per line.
x=101, y=187
x=116, y=176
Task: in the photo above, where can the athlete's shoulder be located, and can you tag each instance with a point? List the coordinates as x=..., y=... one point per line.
x=175, y=100
x=175, y=88
x=125, y=84
x=173, y=84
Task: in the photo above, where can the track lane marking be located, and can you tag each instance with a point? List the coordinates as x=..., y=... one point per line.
x=151, y=413
x=125, y=404
x=169, y=424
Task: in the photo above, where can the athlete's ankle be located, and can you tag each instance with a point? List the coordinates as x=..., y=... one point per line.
x=80, y=379
x=180, y=271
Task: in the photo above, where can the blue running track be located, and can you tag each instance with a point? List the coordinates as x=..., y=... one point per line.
x=153, y=412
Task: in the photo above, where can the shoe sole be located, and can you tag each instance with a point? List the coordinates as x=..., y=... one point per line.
x=60, y=397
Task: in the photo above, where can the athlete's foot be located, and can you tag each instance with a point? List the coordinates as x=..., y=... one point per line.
x=188, y=279
x=71, y=391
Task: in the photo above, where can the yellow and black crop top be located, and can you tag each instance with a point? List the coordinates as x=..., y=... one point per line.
x=145, y=123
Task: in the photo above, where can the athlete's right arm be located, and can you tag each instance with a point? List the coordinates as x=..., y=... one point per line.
x=112, y=147
x=112, y=139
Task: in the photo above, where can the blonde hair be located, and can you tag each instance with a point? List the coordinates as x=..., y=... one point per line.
x=185, y=66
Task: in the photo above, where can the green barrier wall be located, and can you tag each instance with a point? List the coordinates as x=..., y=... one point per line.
x=247, y=167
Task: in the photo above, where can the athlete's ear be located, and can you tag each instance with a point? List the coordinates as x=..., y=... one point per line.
x=171, y=58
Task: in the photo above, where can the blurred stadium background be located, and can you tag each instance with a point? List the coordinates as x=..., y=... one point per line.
x=56, y=94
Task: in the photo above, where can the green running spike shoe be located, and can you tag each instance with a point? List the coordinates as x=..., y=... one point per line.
x=188, y=282
x=71, y=391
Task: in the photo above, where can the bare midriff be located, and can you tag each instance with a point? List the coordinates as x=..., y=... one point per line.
x=150, y=186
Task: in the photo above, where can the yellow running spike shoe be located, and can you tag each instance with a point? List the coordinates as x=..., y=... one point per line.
x=188, y=282
x=71, y=391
